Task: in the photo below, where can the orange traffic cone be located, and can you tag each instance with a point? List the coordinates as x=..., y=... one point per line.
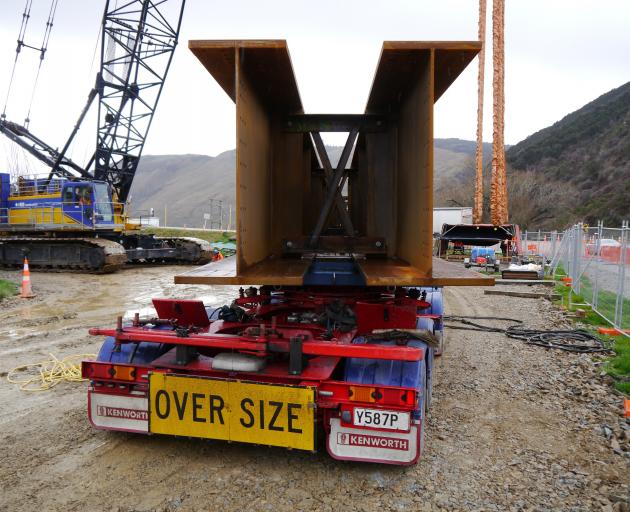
x=26, y=290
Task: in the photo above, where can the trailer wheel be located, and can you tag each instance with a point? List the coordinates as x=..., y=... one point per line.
x=436, y=299
x=412, y=374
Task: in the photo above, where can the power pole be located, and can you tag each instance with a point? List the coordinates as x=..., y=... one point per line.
x=478, y=206
x=498, y=190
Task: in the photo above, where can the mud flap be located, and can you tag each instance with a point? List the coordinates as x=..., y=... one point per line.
x=368, y=445
x=127, y=413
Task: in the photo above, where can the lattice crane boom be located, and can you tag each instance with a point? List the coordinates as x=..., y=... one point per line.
x=138, y=40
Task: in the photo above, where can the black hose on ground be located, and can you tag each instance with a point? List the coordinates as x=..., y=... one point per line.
x=570, y=340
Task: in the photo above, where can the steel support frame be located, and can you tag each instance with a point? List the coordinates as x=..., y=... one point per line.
x=334, y=186
x=335, y=180
x=263, y=345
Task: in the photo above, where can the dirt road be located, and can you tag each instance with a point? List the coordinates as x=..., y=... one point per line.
x=511, y=428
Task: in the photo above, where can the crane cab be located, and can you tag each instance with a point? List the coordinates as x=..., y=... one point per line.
x=33, y=204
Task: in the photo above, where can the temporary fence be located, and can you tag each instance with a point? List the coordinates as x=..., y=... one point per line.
x=595, y=261
x=541, y=243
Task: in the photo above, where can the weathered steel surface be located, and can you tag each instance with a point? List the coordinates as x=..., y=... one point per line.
x=377, y=272
x=287, y=188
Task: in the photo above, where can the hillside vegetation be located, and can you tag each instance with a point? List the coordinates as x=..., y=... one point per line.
x=588, y=150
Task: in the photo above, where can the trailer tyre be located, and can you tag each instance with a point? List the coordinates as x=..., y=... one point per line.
x=435, y=297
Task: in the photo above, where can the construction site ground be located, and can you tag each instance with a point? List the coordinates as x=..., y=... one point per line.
x=512, y=427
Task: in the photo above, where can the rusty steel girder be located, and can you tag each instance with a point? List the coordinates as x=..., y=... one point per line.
x=375, y=205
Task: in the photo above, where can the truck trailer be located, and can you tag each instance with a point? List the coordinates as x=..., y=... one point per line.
x=330, y=340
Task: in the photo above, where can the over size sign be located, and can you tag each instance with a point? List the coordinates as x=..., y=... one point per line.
x=230, y=410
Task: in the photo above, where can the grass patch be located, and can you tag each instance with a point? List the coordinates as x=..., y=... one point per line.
x=617, y=366
x=7, y=289
x=210, y=236
x=624, y=387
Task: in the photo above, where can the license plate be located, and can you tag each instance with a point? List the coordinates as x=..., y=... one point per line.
x=267, y=414
x=378, y=418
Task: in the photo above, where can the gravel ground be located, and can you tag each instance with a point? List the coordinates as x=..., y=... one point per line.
x=512, y=427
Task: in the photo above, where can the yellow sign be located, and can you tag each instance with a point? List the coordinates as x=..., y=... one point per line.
x=237, y=411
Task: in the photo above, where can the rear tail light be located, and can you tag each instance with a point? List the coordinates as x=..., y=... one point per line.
x=103, y=371
x=343, y=392
x=363, y=394
x=123, y=372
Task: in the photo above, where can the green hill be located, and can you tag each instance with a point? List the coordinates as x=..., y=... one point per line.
x=589, y=151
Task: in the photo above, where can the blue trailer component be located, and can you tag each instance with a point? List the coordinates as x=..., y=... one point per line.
x=137, y=353
x=408, y=374
x=338, y=272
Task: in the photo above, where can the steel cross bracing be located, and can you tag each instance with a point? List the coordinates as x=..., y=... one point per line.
x=335, y=179
x=334, y=184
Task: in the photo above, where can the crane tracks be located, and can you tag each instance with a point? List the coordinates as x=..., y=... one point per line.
x=93, y=255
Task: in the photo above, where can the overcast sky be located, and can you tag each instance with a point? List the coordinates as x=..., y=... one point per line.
x=560, y=54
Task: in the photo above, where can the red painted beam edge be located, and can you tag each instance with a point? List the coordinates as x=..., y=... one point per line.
x=315, y=348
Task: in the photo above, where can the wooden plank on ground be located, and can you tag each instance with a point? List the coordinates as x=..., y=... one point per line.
x=528, y=282
x=524, y=295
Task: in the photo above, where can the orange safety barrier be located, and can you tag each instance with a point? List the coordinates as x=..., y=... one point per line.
x=611, y=331
x=627, y=407
x=611, y=254
x=26, y=292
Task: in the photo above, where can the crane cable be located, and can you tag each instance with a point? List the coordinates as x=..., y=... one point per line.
x=26, y=15
x=46, y=38
x=44, y=375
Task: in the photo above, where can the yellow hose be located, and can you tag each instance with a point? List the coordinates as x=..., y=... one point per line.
x=49, y=373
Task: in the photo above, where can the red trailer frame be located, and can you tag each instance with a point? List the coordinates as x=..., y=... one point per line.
x=275, y=327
